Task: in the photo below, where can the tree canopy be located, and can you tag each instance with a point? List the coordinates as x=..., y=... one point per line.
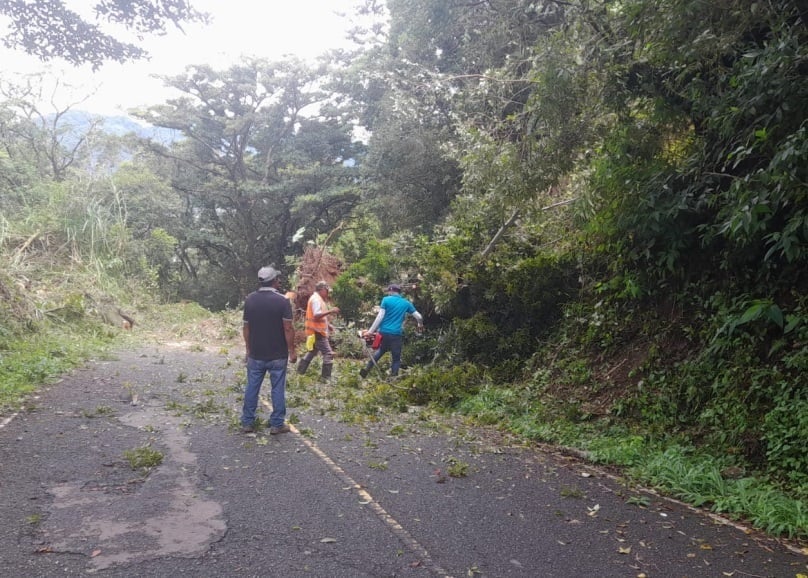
x=50, y=29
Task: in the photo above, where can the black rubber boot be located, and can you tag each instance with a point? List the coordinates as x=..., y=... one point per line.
x=326, y=374
x=303, y=365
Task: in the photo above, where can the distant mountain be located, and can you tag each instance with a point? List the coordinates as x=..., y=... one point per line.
x=121, y=125
x=79, y=122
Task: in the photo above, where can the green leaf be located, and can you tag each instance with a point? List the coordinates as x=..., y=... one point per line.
x=775, y=315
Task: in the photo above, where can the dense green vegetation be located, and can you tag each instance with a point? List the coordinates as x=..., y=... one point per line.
x=600, y=207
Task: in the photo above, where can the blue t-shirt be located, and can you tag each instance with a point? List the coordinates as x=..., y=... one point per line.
x=395, y=310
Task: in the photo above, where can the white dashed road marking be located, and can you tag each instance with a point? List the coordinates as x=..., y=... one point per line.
x=414, y=546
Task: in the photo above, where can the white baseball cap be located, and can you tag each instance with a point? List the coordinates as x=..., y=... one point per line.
x=267, y=274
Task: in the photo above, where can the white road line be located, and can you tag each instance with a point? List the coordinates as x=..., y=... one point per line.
x=397, y=529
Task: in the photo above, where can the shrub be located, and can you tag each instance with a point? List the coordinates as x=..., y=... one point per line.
x=785, y=430
x=445, y=386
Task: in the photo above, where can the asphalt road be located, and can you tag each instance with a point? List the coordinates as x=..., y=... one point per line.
x=403, y=495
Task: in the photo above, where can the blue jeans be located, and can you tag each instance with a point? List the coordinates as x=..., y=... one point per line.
x=393, y=344
x=256, y=369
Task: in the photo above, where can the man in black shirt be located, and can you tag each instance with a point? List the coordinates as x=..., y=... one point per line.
x=269, y=338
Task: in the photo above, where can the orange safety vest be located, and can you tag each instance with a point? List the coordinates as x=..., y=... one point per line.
x=315, y=325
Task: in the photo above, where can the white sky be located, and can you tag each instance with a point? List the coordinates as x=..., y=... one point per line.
x=264, y=28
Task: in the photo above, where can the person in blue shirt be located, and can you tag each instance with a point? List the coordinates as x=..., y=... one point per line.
x=390, y=324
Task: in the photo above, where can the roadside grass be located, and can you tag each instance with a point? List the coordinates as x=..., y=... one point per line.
x=670, y=465
x=697, y=479
x=47, y=349
x=41, y=356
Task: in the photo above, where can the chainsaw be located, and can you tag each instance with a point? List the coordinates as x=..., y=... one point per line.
x=372, y=340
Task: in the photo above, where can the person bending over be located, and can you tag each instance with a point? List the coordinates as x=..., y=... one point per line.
x=390, y=323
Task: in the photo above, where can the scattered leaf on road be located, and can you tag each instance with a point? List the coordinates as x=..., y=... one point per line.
x=328, y=540
x=626, y=550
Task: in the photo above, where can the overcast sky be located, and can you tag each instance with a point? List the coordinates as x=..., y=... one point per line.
x=265, y=28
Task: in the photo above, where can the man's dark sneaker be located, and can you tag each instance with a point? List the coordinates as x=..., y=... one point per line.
x=280, y=429
x=363, y=372
x=248, y=429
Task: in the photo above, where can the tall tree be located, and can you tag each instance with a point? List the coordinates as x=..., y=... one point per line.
x=57, y=138
x=264, y=156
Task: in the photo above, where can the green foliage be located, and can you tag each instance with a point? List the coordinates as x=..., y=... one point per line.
x=457, y=468
x=256, y=176
x=58, y=32
x=785, y=432
x=356, y=241
x=755, y=317
x=347, y=344
x=675, y=469
x=15, y=310
x=362, y=283
x=477, y=339
x=143, y=458
x=444, y=387
x=697, y=479
x=43, y=353
x=500, y=405
x=501, y=313
x=160, y=250
x=762, y=122
x=411, y=178
x=700, y=171
x=619, y=448
x=421, y=348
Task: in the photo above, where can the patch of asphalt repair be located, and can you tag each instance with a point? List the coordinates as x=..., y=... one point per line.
x=173, y=517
